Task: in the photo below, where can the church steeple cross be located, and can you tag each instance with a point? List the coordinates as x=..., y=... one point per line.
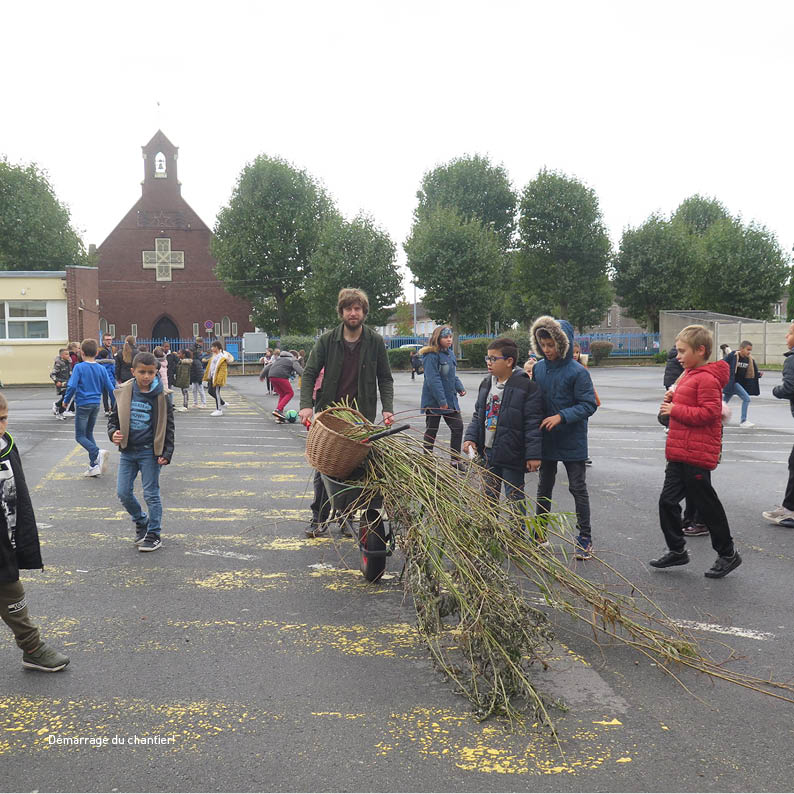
x=163, y=260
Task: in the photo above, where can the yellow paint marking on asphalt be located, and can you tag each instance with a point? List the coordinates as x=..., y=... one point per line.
x=284, y=478
x=232, y=454
x=607, y=722
x=239, y=580
x=55, y=472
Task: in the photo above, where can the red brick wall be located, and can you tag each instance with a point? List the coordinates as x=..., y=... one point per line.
x=82, y=302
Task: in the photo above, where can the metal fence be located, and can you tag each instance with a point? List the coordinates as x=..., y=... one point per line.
x=630, y=345
x=234, y=344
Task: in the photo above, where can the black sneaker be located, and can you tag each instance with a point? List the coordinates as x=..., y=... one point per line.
x=671, y=558
x=140, y=534
x=317, y=530
x=151, y=542
x=46, y=659
x=723, y=566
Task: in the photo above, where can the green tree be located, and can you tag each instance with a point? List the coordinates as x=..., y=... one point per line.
x=476, y=189
x=457, y=263
x=352, y=254
x=265, y=316
x=698, y=212
x=653, y=269
x=742, y=270
x=564, y=249
x=35, y=227
x=265, y=236
x=405, y=318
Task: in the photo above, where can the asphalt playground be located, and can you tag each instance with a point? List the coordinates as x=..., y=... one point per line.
x=243, y=656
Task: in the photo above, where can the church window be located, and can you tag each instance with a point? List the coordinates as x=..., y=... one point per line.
x=162, y=259
x=226, y=326
x=217, y=329
x=159, y=166
x=103, y=327
x=234, y=329
x=195, y=329
x=112, y=329
x=134, y=329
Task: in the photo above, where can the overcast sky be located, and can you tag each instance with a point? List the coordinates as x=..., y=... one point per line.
x=646, y=102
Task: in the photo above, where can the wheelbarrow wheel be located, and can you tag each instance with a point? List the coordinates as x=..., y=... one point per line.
x=372, y=543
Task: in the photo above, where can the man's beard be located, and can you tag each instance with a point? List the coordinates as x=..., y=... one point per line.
x=357, y=324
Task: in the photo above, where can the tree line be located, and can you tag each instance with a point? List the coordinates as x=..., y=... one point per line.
x=483, y=253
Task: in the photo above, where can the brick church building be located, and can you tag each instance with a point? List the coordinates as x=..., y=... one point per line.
x=156, y=272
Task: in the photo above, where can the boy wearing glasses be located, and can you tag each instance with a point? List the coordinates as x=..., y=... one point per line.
x=569, y=400
x=505, y=427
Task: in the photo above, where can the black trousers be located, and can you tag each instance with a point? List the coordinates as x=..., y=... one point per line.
x=788, y=499
x=321, y=504
x=693, y=483
x=454, y=423
x=577, y=485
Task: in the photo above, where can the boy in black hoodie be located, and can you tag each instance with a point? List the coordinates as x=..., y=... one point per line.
x=505, y=427
x=19, y=548
x=142, y=426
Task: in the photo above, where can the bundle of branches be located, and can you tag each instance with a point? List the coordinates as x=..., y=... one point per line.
x=482, y=628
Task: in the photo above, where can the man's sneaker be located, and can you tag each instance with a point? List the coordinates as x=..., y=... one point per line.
x=55, y=408
x=103, y=460
x=317, y=530
x=141, y=531
x=93, y=471
x=150, y=542
x=671, y=558
x=778, y=514
x=723, y=566
x=279, y=415
x=46, y=659
x=583, y=549
x=696, y=529
x=216, y=413
x=61, y=417
x=746, y=424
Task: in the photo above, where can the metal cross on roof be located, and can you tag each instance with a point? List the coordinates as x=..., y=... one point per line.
x=163, y=260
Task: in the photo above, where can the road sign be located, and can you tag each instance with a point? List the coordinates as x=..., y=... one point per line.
x=209, y=325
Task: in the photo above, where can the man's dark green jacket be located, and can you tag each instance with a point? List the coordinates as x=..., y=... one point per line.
x=374, y=372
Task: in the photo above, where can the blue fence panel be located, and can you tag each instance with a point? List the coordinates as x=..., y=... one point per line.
x=630, y=345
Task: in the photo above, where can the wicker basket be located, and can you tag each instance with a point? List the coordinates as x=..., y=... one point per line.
x=330, y=451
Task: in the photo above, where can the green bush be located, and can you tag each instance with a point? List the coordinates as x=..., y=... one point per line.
x=475, y=350
x=295, y=343
x=599, y=351
x=399, y=358
x=660, y=358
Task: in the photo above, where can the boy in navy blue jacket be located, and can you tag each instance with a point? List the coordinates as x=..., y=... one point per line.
x=505, y=427
x=569, y=399
x=88, y=382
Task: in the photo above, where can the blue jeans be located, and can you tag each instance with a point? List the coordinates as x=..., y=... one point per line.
x=513, y=481
x=141, y=460
x=84, y=421
x=741, y=394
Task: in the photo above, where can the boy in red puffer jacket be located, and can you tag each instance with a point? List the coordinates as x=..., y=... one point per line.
x=694, y=444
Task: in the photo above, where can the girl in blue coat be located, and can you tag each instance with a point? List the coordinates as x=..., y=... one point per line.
x=440, y=391
x=569, y=400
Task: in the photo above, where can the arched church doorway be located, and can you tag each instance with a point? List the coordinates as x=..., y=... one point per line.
x=165, y=328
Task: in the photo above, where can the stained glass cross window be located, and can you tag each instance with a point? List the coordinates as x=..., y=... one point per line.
x=163, y=260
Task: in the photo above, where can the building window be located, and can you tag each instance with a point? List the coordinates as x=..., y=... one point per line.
x=226, y=326
x=103, y=327
x=195, y=329
x=159, y=166
x=217, y=329
x=234, y=329
x=779, y=309
x=112, y=329
x=24, y=320
x=134, y=329
x=609, y=318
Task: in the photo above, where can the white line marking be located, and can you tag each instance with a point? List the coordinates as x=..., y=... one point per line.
x=733, y=631
x=233, y=555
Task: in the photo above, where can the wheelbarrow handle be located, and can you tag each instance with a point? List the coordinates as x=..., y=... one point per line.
x=390, y=432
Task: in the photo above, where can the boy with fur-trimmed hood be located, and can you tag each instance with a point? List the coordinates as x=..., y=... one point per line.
x=569, y=400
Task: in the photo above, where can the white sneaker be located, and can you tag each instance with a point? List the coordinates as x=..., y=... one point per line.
x=55, y=408
x=102, y=463
x=68, y=413
x=778, y=514
x=746, y=424
x=60, y=417
x=217, y=413
x=180, y=408
x=94, y=471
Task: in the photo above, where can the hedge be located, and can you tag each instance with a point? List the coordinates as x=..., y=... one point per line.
x=295, y=343
x=475, y=350
x=600, y=350
x=399, y=358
